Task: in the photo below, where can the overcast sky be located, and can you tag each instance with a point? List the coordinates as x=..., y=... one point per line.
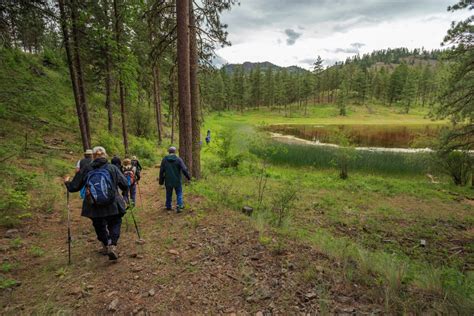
x=294, y=32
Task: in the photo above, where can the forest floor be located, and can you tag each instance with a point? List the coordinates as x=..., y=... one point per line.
x=202, y=260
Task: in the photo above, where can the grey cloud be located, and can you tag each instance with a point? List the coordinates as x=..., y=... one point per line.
x=292, y=36
x=308, y=61
x=346, y=50
x=357, y=45
x=345, y=26
x=334, y=15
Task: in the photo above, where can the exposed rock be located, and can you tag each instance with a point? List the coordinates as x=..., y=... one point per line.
x=151, y=292
x=11, y=233
x=173, y=252
x=256, y=256
x=344, y=299
x=310, y=295
x=113, y=306
x=112, y=293
x=75, y=291
x=247, y=210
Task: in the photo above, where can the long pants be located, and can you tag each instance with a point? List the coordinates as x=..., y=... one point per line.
x=131, y=192
x=179, y=195
x=108, y=229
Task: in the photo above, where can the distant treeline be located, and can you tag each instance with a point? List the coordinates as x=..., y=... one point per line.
x=392, y=76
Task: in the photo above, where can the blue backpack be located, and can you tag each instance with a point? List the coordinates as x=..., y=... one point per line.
x=99, y=189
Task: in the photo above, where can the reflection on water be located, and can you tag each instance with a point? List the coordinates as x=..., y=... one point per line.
x=387, y=136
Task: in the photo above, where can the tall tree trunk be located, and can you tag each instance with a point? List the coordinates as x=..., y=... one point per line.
x=173, y=111
x=184, y=93
x=118, y=30
x=155, y=72
x=108, y=90
x=157, y=100
x=196, y=122
x=78, y=65
x=123, y=117
x=73, y=75
x=108, y=72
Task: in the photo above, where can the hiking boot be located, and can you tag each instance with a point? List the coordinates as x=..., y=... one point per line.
x=112, y=252
x=103, y=250
x=168, y=208
x=179, y=208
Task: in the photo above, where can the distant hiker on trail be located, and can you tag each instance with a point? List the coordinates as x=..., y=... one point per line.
x=170, y=175
x=84, y=161
x=137, y=165
x=117, y=162
x=208, y=137
x=130, y=173
x=103, y=203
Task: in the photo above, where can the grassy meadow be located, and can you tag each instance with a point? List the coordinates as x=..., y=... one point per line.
x=388, y=224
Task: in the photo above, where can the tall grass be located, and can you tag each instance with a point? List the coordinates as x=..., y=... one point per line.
x=321, y=157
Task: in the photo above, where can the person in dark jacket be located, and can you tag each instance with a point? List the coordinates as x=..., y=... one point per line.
x=84, y=161
x=170, y=175
x=117, y=162
x=208, y=137
x=106, y=219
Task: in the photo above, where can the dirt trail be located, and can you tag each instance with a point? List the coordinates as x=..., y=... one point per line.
x=203, y=260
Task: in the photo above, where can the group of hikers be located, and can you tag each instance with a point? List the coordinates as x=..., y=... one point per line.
x=109, y=189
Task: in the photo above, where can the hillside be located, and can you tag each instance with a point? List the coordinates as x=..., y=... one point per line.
x=249, y=66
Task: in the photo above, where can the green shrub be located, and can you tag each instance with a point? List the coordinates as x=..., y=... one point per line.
x=228, y=158
x=144, y=149
x=456, y=164
x=37, y=251
x=51, y=58
x=344, y=156
x=6, y=283
x=112, y=144
x=12, y=202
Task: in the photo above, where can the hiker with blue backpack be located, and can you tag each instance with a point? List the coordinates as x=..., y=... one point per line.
x=103, y=203
x=130, y=173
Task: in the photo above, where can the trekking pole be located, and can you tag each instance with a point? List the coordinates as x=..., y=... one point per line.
x=140, y=240
x=69, y=239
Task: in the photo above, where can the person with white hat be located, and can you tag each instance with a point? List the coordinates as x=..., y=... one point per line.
x=84, y=161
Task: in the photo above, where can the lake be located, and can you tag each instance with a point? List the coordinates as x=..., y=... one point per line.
x=381, y=136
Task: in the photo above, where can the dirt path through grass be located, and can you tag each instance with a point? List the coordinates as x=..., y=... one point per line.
x=202, y=260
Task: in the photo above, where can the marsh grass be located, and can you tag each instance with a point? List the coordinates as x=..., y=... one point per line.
x=321, y=157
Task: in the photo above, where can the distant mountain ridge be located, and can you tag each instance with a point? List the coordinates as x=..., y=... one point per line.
x=249, y=66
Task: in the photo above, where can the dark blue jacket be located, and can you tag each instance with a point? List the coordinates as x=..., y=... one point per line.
x=170, y=171
x=118, y=181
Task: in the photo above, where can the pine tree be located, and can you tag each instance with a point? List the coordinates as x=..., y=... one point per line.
x=73, y=74
x=184, y=89
x=457, y=95
x=194, y=89
x=317, y=70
